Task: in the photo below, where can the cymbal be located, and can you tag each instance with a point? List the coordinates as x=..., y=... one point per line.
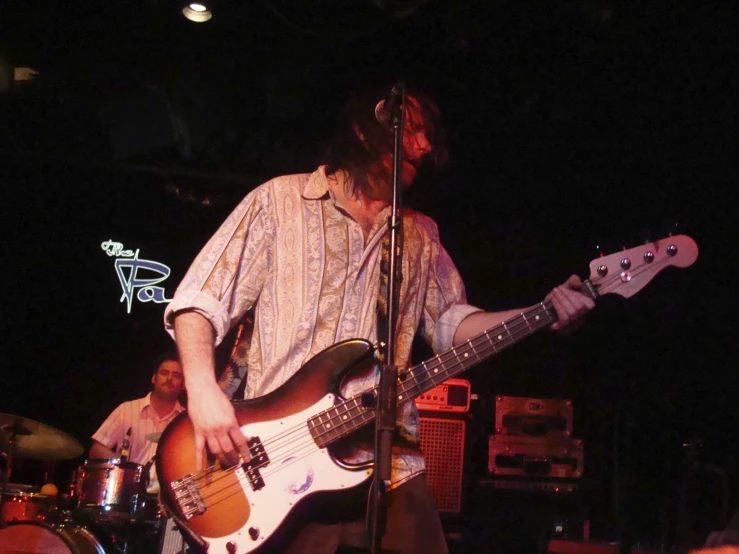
x=154, y=437
x=36, y=440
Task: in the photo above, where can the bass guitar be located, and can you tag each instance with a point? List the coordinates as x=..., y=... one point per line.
x=295, y=430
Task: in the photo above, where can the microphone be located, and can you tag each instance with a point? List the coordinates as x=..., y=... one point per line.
x=125, y=447
x=387, y=107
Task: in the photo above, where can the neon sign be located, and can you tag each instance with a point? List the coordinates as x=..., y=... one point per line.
x=135, y=275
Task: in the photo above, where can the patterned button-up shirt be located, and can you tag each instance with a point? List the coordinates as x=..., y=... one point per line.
x=305, y=263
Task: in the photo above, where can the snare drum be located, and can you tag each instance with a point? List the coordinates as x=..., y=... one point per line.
x=109, y=485
x=41, y=538
x=25, y=503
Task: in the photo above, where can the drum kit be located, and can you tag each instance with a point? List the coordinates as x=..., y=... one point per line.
x=110, y=506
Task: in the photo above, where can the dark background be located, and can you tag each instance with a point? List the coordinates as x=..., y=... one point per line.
x=575, y=128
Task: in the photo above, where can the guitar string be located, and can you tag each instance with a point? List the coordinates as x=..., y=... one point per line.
x=297, y=451
x=275, y=444
x=614, y=278
x=299, y=448
x=512, y=331
x=212, y=495
x=285, y=434
x=310, y=444
x=438, y=360
x=457, y=352
x=605, y=286
x=460, y=359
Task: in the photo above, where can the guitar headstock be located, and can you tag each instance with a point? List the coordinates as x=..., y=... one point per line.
x=628, y=271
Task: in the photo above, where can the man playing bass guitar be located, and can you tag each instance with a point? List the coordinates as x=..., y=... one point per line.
x=305, y=251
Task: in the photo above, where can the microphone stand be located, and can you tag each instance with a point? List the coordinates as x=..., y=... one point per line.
x=388, y=386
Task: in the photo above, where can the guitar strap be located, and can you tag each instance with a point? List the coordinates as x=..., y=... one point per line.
x=233, y=378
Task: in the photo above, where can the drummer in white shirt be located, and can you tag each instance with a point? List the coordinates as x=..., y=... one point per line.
x=146, y=417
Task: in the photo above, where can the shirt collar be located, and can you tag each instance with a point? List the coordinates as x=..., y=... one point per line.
x=147, y=404
x=316, y=187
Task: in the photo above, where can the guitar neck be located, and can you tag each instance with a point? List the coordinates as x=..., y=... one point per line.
x=434, y=371
x=348, y=416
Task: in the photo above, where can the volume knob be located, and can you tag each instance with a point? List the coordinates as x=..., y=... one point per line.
x=254, y=533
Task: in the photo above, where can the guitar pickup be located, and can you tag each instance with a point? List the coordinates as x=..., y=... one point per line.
x=259, y=459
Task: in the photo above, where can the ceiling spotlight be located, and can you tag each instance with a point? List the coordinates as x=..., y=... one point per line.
x=199, y=13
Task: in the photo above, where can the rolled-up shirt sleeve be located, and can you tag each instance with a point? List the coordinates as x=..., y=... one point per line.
x=446, y=304
x=110, y=432
x=227, y=276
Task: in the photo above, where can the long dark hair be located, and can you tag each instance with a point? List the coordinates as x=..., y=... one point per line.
x=347, y=151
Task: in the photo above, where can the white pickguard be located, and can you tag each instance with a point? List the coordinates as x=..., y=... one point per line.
x=288, y=478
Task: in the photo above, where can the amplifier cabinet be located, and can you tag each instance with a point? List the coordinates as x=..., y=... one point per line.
x=171, y=540
x=559, y=458
x=443, y=443
x=536, y=417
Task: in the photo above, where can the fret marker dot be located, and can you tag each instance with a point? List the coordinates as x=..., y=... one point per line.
x=436, y=371
x=345, y=416
x=328, y=425
x=465, y=354
x=537, y=318
x=500, y=337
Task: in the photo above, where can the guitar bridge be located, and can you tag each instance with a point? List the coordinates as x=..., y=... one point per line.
x=188, y=497
x=258, y=460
